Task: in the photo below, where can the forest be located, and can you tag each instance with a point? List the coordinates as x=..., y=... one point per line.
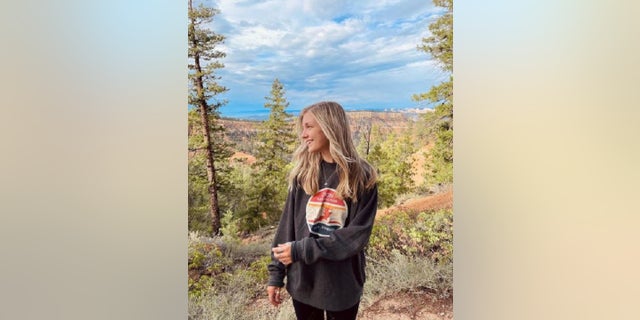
x=238, y=183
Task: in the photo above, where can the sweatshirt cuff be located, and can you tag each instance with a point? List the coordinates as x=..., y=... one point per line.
x=276, y=283
x=296, y=249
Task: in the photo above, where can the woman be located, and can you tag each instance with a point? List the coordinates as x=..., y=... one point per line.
x=327, y=219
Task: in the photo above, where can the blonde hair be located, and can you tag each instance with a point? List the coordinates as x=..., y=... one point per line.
x=355, y=174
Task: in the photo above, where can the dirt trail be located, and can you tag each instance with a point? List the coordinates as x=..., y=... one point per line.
x=436, y=201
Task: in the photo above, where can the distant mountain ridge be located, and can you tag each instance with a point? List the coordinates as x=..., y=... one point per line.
x=263, y=113
x=243, y=133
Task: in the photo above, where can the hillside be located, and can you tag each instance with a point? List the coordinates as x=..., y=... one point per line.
x=243, y=133
x=386, y=119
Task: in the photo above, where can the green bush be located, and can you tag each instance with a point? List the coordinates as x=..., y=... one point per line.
x=220, y=263
x=426, y=234
x=258, y=270
x=207, y=257
x=205, y=261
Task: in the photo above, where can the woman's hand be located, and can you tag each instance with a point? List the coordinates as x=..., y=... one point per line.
x=283, y=253
x=274, y=295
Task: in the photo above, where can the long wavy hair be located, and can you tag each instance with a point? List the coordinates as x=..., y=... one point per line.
x=355, y=174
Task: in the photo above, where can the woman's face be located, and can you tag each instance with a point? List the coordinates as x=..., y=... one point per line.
x=313, y=136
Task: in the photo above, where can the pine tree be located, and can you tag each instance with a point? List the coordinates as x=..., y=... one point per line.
x=275, y=145
x=199, y=197
x=440, y=46
x=394, y=162
x=204, y=60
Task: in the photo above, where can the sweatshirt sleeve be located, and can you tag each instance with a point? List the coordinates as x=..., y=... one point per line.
x=285, y=233
x=342, y=243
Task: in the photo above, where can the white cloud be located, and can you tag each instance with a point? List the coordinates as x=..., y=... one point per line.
x=350, y=51
x=258, y=36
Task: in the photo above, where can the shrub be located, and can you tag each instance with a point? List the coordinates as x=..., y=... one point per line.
x=402, y=272
x=425, y=234
x=219, y=263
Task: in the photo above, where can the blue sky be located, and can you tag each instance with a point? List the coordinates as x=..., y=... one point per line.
x=361, y=54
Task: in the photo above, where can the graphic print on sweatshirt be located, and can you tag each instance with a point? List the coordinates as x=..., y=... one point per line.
x=326, y=212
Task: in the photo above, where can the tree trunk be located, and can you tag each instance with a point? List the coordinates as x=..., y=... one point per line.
x=211, y=170
x=367, y=135
x=204, y=114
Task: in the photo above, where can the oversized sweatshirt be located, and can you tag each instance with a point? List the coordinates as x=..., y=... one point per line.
x=328, y=236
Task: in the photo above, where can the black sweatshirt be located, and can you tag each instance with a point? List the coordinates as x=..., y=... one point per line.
x=328, y=238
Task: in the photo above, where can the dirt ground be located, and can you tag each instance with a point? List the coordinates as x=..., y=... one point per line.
x=398, y=306
x=437, y=201
x=409, y=306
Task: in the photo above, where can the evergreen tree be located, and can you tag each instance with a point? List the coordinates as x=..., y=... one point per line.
x=440, y=46
x=203, y=86
x=199, y=197
x=275, y=145
x=394, y=162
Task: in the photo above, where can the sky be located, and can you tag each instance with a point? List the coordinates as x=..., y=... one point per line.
x=362, y=54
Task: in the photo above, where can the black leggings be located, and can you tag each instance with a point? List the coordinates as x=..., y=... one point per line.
x=307, y=312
